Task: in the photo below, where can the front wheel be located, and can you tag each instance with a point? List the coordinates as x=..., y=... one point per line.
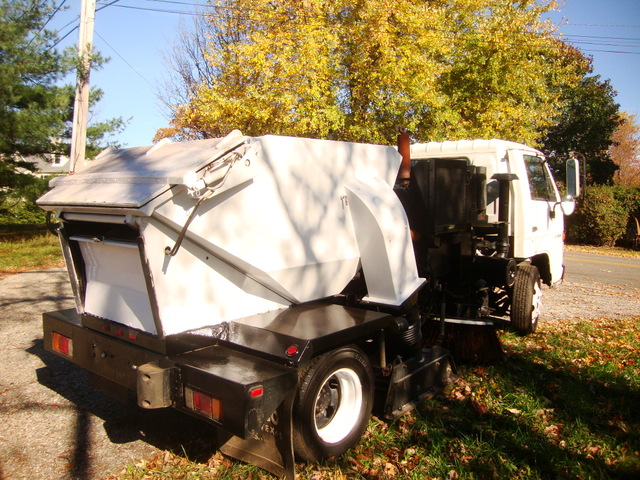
x=333, y=405
x=526, y=300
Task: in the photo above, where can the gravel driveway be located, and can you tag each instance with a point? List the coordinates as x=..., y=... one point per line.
x=55, y=427
x=575, y=300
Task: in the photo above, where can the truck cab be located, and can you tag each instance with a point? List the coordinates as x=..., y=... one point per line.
x=535, y=223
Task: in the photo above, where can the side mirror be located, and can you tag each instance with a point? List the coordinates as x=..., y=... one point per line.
x=573, y=178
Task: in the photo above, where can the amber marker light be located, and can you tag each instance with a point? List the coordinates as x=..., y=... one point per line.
x=62, y=344
x=203, y=404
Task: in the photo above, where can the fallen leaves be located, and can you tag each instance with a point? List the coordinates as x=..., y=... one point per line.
x=605, y=343
x=552, y=431
x=386, y=463
x=564, y=396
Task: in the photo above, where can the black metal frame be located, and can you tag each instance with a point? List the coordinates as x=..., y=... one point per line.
x=233, y=359
x=225, y=360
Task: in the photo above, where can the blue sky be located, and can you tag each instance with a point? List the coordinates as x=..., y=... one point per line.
x=137, y=40
x=609, y=32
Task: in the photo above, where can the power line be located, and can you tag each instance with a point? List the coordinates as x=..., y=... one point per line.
x=124, y=60
x=602, y=38
x=44, y=25
x=60, y=40
x=565, y=38
x=189, y=4
x=611, y=51
x=595, y=25
x=107, y=5
x=602, y=44
x=158, y=10
x=76, y=19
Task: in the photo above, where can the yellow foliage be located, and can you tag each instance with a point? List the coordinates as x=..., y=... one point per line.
x=357, y=70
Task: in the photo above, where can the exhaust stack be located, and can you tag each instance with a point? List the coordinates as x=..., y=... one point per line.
x=404, y=148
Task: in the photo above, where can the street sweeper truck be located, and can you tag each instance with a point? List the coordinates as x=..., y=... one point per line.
x=284, y=288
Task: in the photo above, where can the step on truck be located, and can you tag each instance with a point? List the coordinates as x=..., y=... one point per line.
x=281, y=288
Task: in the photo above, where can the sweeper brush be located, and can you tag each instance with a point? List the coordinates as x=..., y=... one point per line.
x=468, y=341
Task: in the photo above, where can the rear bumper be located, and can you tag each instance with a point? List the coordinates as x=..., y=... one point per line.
x=160, y=380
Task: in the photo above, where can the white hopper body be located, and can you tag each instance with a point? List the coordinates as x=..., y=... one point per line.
x=275, y=229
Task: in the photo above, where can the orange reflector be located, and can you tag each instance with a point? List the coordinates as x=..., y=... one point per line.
x=62, y=344
x=203, y=404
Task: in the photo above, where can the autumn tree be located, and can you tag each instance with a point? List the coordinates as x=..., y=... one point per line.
x=625, y=151
x=356, y=70
x=507, y=71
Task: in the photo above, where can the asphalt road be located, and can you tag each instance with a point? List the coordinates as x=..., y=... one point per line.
x=607, y=269
x=53, y=426
x=595, y=286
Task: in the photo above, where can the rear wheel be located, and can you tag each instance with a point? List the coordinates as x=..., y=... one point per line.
x=526, y=300
x=333, y=405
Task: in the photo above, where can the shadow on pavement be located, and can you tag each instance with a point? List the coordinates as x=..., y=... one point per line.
x=164, y=429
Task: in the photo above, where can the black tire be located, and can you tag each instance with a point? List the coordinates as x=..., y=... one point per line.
x=526, y=300
x=333, y=404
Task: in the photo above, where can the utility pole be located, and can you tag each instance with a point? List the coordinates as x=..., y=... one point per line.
x=81, y=103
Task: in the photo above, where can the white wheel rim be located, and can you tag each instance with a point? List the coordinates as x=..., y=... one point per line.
x=338, y=405
x=536, y=303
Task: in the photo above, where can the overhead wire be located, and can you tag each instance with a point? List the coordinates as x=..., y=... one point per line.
x=607, y=26
x=600, y=37
x=61, y=39
x=124, y=59
x=566, y=37
x=44, y=25
x=572, y=39
x=76, y=19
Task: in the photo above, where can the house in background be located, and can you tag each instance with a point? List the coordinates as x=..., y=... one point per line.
x=49, y=164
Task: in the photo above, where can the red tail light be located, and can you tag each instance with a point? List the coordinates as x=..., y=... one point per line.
x=256, y=392
x=203, y=404
x=62, y=344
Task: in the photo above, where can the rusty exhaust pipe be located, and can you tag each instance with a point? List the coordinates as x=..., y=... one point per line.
x=404, y=148
x=404, y=174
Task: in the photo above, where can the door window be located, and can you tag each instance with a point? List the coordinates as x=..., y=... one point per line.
x=540, y=182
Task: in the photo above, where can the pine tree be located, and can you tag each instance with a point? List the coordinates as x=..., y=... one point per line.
x=35, y=106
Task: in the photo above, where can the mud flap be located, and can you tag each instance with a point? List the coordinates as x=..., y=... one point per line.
x=272, y=450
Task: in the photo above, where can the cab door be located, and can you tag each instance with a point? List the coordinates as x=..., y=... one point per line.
x=542, y=225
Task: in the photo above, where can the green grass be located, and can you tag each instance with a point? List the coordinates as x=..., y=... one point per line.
x=617, y=251
x=563, y=405
x=27, y=247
